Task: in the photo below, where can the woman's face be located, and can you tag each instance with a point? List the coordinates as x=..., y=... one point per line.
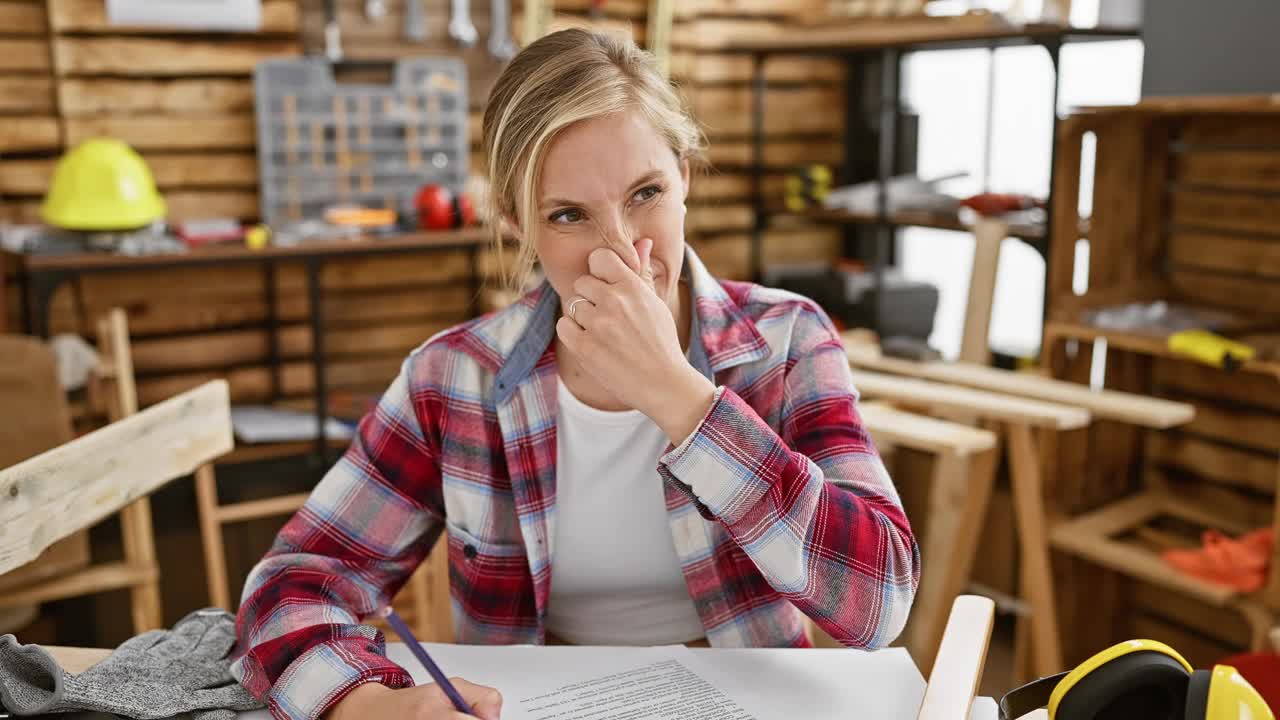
x=608, y=182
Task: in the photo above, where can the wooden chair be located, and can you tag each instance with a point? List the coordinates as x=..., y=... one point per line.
x=36, y=419
x=78, y=484
x=953, y=682
x=424, y=604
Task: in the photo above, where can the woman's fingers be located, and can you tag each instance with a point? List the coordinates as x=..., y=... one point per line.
x=485, y=702
x=591, y=288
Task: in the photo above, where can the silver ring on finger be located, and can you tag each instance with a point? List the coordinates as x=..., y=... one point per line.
x=573, y=308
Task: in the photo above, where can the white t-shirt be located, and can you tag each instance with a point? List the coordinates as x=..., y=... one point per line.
x=615, y=576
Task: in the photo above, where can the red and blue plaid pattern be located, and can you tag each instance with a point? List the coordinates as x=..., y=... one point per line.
x=778, y=503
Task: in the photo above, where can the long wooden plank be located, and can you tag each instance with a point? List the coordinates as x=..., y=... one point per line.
x=921, y=432
x=1237, y=425
x=984, y=403
x=204, y=204
x=1239, y=468
x=718, y=217
x=1240, y=131
x=90, y=16
x=168, y=132
x=1240, y=169
x=1136, y=563
x=171, y=170
x=1249, y=389
x=24, y=55
x=726, y=112
x=255, y=509
x=708, y=69
x=122, y=96
x=778, y=155
x=52, y=495
x=100, y=578
x=23, y=134
x=23, y=17
x=27, y=94
x=1254, y=255
x=1258, y=295
x=953, y=683
x=1103, y=404
x=1209, y=210
x=142, y=56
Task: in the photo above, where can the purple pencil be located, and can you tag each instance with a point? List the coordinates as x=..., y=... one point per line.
x=419, y=652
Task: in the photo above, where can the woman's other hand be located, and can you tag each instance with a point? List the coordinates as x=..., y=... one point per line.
x=425, y=702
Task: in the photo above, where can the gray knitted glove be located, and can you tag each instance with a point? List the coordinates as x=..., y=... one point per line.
x=157, y=674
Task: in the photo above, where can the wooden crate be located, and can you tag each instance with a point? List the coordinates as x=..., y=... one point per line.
x=1184, y=211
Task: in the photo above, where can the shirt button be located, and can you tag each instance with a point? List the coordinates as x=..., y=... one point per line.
x=469, y=551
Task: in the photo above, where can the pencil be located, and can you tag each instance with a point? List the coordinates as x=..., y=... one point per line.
x=419, y=652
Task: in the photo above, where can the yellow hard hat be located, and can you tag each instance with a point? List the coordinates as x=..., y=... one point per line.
x=102, y=184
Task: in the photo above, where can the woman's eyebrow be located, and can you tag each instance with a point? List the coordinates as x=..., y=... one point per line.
x=556, y=202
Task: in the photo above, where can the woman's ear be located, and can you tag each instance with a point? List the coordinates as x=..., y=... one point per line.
x=684, y=176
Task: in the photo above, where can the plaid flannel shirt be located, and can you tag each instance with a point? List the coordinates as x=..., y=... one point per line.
x=778, y=502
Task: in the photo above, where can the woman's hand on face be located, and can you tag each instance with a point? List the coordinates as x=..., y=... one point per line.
x=624, y=335
x=425, y=702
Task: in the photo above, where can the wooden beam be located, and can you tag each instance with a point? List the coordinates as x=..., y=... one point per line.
x=983, y=403
x=141, y=56
x=99, y=578
x=707, y=69
x=26, y=94
x=1240, y=169
x=167, y=132
x=52, y=495
x=203, y=204
x=1253, y=255
x=23, y=17
x=921, y=432
x=1210, y=460
x=1125, y=407
x=1037, y=574
x=24, y=134
x=1209, y=210
x=726, y=111
x=988, y=235
x=257, y=509
x=24, y=55
x=779, y=155
x=278, y=16
x=123, y=96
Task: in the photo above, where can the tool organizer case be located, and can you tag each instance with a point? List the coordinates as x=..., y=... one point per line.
x=321, y=142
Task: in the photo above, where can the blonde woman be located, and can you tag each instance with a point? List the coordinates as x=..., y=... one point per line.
x=634, y=453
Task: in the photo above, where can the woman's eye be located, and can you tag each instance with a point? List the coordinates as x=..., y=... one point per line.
x=568, y=216
x=647, y=193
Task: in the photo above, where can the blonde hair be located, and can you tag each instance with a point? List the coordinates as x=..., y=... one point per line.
x=560, y=79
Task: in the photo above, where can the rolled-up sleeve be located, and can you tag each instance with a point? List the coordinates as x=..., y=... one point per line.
x=812, y=504
x=367, y=525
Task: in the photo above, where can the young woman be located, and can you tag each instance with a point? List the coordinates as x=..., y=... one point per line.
x=633, y=453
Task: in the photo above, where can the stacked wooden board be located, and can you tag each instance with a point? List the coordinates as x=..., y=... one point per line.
x=1184, y=211
x=29, y=124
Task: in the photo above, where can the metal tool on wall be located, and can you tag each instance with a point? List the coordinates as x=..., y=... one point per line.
x=332, y=32
x=375, y=10
x=501, y=46
x=461, y=28
x=415, y=21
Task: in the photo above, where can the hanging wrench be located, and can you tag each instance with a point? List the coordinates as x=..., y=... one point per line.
x=501, y=47
x=415, y=24
x=460, y=25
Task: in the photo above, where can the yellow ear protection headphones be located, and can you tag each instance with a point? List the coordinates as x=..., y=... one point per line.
x=1139, y=680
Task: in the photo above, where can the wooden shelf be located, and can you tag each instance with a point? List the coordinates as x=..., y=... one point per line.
x=911, y=218
x=926, y=33
x=1139, y=343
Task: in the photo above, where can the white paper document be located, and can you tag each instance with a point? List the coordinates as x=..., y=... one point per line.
x=222, y=15
x=679, y=683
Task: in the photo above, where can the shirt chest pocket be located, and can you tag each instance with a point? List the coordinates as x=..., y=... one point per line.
x=479, y=563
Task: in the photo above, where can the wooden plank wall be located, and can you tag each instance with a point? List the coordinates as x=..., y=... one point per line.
x=30, y=128
x=184, y=100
